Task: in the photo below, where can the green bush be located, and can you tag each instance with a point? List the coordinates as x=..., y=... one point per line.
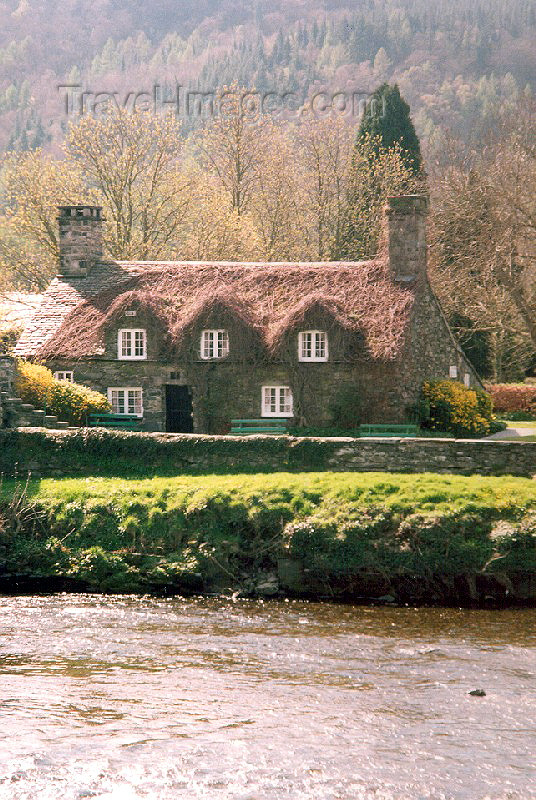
x=71, y=402
x=451, y=407
x=8, y=340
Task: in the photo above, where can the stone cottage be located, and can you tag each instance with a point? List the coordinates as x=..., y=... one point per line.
x=188, y=346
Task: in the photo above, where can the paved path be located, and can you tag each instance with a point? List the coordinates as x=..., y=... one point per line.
x=513, y=433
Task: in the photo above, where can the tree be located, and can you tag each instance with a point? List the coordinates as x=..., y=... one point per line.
x=132, y=161
x=211, y=229
x=387, y=122
x=476, y=271
x=228, y=146
x=324, y=152
x=376, y=172
x=33, y=185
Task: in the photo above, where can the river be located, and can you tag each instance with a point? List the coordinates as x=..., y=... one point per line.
x=134, y=697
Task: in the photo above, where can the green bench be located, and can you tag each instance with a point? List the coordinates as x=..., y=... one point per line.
x=244, y=427
x=127, y=422
x=389, y=430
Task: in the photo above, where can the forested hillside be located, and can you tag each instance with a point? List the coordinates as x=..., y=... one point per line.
x=456, y=61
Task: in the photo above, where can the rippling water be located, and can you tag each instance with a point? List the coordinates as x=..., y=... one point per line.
x=122, y=697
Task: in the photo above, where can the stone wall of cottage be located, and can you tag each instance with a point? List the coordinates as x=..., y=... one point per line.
x=231, y=388
x=226, y=390
x=431, y=352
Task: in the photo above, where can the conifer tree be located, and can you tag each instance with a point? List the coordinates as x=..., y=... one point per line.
x=387, y=120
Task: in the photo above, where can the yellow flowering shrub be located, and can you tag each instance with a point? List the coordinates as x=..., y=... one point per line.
x=71, y=402
x=33, y=383
x=451, y=407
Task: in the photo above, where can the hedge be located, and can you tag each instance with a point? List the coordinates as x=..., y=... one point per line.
x=513, y=397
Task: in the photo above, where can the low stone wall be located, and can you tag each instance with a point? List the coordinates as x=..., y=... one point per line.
x=91, y=451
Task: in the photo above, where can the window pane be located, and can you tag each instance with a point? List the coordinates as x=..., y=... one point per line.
x=285, y=400
x=139, y=343
x=320, y=345
x=118, y=401
x=134, y=401
x=306, y=338
x=205, y=345
x=223, y=344
x=126, y=346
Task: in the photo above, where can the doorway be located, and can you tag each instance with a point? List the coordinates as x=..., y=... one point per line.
x=179, y=413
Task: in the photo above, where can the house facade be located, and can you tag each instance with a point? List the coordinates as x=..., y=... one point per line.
x=189, y=346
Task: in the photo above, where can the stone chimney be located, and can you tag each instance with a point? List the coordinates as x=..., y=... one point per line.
x=80, y=239
x=406, y=236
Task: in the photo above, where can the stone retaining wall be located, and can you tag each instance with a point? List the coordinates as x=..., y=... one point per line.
x=95, y=451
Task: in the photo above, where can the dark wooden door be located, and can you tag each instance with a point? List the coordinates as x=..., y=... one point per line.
x=179, y=418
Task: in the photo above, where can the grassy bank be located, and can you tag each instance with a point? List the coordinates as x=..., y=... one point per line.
x=417, y=538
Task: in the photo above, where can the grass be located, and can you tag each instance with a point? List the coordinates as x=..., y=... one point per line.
x=198, y=533
x=423, y=492
x=512, y=423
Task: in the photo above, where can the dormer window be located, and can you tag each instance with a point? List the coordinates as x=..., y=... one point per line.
x=132, y=344
x=214, y=344
x=313, y=346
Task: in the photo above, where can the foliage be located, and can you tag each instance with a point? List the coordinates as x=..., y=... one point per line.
x=194, y=533
x=33, y=383
x=483, y=242
x=375, y=173
x=69, y=401
x=132, y=160
x=8, y=340
x=387, y=123
x=450, y=406
x=35, y=184
x=509, y=397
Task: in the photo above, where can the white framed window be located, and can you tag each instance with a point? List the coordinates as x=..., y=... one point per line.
x=65, y=375
x=453, y=372
x=126, y=400
x=214, y=344
x=313, y=346
x=132, y=344
x=467, y=379
x=277, y=401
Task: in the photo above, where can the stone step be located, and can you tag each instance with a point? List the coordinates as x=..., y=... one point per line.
x=50, y=420
x=61, y=426
x=25, y=415
x=38, y=418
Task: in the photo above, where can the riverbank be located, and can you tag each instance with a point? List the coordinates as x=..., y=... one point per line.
x=375, y=537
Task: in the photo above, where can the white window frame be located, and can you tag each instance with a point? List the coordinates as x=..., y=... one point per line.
x=467, y=380
x=126, y=400
x=132, y=334
x=310, y=341
x=453, y=371
x=214, y=344
x=274, y=398
x=64, y=375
